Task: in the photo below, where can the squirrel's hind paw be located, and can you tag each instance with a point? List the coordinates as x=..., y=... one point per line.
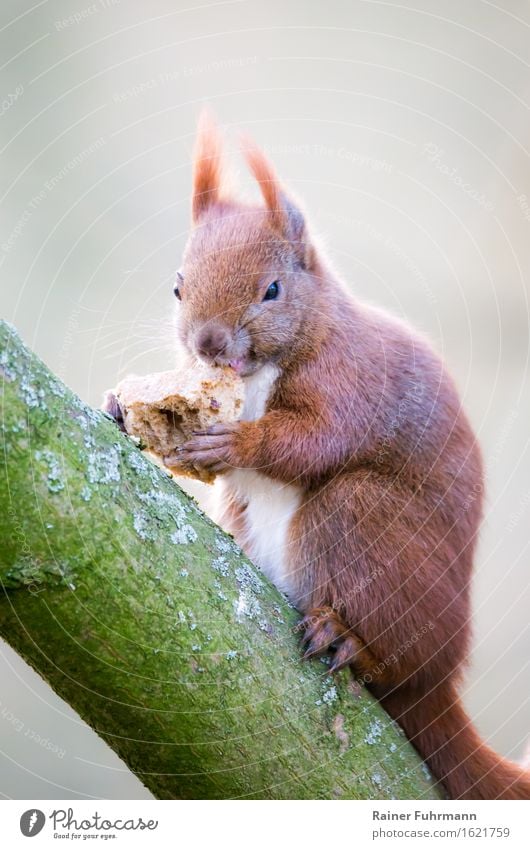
x=326, y=633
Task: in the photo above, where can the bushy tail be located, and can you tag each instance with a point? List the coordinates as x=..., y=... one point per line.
x=439, y=728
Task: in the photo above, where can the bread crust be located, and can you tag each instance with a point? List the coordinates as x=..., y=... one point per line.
x=165, y=408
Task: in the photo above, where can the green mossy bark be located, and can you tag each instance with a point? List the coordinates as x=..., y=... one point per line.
x=147, y=619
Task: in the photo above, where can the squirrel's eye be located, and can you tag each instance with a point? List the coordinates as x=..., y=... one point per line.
x=176, y=290
x=273, y=291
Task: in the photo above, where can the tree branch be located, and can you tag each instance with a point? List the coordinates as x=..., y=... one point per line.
x=149, y=621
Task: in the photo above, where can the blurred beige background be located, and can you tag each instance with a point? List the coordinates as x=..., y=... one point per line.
x=405, y=129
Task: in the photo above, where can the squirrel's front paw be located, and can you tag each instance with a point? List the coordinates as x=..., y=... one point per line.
x=214, y=449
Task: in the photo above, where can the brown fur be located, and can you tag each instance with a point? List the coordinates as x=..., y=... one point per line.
x=365, y=419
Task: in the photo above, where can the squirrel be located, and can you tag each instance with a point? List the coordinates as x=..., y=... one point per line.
x=353, y=479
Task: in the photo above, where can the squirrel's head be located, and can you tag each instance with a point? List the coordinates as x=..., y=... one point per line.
x=249, y=287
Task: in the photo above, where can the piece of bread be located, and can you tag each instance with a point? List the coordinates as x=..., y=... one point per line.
x=164, y=409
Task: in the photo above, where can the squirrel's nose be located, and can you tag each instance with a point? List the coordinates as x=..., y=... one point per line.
x=212, y=341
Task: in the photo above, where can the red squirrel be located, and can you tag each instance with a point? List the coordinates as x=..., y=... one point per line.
x=354, y=479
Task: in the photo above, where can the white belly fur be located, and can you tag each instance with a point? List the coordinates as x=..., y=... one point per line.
x=270, y=503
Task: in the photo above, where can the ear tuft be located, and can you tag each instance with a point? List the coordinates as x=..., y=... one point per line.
x=264, y=173
x=285, y=216
x=207, y=165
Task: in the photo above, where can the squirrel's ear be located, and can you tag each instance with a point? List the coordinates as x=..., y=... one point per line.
x=285, y=216
x=206, y=165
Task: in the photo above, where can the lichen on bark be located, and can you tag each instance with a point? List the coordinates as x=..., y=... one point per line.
x=151, y=623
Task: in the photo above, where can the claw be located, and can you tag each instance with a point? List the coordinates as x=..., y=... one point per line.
x=319, y=639
x=323, y=631
x=111, y=407
x=312, y=651
x=306, y=636
x=344, y=655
